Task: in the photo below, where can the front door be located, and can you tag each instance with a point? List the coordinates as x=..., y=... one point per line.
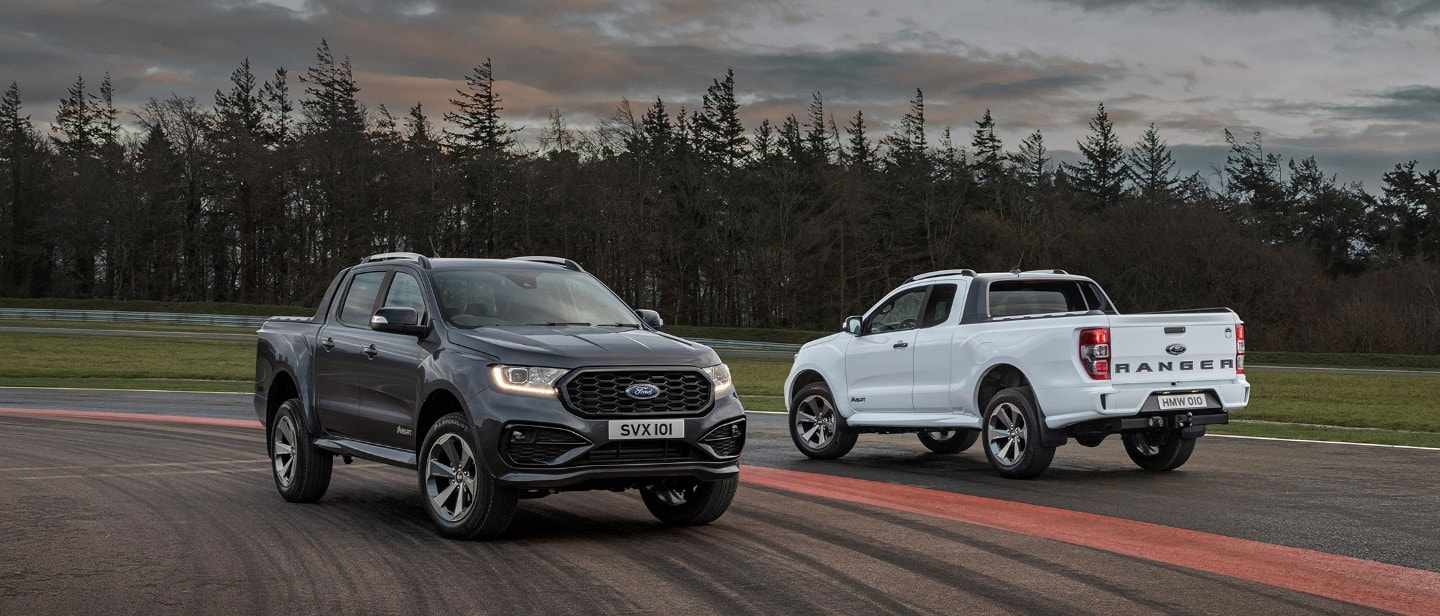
x=391, y=376
x=880, y=362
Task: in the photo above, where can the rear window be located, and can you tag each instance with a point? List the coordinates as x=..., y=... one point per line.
x=1014, y=298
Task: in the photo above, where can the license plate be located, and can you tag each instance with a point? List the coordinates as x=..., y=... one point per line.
x=647, y=428
x=1183, y=401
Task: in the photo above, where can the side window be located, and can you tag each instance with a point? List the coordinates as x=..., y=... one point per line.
x=937, y=309
x=405, y=293
x=360, y=299
x=900, y=312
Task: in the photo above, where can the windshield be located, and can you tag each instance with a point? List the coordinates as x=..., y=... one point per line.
x=527, y=296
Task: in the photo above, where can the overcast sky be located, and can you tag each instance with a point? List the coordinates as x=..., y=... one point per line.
x=1354, y=83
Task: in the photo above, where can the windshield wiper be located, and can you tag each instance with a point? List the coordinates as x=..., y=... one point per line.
x=556, y=324
x=630, y=325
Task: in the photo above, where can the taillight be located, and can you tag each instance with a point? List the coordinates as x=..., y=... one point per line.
x=1095, y=352
x=1239, y=349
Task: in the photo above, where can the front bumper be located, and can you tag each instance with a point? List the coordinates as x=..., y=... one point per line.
x=560, y=451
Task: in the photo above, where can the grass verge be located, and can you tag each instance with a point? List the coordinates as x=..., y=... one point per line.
x=1359, y=408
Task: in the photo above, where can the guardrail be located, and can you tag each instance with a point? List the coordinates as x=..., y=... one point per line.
x=118, y=316
x=230, y=320
x=747, y=345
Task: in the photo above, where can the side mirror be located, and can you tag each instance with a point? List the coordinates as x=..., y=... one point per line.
x=651, y=318
x=852, y=325
x=398, y=320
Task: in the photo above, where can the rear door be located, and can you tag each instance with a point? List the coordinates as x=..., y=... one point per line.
x=339, y=353
x=934, y=348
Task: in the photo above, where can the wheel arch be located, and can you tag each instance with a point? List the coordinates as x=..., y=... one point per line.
x=803, y=379
x=995, y=379
x=439, y=402
x=1002, y=376
x=283, y=386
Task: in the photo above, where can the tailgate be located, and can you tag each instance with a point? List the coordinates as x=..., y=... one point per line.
x=1173, y=347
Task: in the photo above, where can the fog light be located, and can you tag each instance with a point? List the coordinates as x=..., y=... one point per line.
x=522, y=436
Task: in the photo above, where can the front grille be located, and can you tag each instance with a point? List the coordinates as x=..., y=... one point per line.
x=640, y=451
x=542, y=447
x=601, y=393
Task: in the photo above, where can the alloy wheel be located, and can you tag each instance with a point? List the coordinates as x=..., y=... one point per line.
x=283, y=445
x=451, y=482
x=1005, y=434
x=815, y=421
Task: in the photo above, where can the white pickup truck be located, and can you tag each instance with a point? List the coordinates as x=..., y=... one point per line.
x=1023, y=361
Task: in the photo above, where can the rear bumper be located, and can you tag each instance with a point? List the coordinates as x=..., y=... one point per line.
x=1066, y=407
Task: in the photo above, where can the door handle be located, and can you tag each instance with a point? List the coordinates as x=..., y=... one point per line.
x=328, y=343
x=371, y=351
x=902, y=344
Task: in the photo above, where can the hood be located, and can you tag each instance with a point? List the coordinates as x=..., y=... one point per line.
x=822, y=340
x=573, y=346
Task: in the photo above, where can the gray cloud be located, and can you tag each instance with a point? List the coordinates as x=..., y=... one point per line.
x=1417, y=103
x=1395, y=11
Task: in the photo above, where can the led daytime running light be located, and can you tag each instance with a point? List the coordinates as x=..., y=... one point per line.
x=526, y=380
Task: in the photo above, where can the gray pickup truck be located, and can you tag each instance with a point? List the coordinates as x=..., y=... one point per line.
x=496, y=380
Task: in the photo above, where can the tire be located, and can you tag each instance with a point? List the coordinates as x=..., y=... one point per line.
x=1158, y=450
x=301, y=470
x=459, y=495
x=1012, y=435
x=815, y=424
x=690, y=503
x=949, y=441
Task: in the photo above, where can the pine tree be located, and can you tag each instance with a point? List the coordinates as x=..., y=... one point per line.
x=861, y=152
x=989, y=162
x=817, y=137
x=907, y=144
x=75, y=122
x=1101, y=173
x=718, y=128
x=764, y=141
x=276, y=108
x=332, y=107
x=477, y=116
x=1031, y=163
x=24, y=175
x=1151, y=167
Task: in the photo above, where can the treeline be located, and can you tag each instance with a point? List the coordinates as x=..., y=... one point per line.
x=263, y=195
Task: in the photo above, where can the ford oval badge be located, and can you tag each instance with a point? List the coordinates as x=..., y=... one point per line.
x=642, y=391
x=1175, y=349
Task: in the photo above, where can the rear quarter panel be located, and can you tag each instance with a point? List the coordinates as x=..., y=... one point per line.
x=286, y=346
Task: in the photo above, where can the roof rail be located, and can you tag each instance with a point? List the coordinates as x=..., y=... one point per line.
x=962, y=272
x=1048, y=271
x=391, y=256
x=562, y=262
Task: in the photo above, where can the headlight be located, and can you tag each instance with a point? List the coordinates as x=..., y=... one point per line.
x=720, y=376
x=528, y=380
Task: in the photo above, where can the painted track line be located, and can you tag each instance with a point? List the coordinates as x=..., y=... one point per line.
x=1344, y=578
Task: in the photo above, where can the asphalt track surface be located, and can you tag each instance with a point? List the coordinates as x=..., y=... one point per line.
x=141, y=516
